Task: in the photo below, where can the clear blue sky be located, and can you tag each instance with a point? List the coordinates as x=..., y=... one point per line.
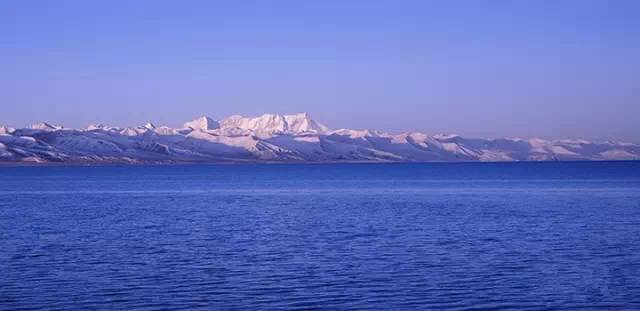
x=556, y=68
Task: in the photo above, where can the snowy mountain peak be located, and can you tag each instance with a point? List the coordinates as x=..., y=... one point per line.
x=274, y=123
x=356, y=133
x=303, y=122
x=93, y=127
x=273, y=137
x=445, y=136
x=537, y=141
x=203, y=123
x=44, y=126
x=6, y=130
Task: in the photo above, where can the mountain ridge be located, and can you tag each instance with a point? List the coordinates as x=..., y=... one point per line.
x=280, y=138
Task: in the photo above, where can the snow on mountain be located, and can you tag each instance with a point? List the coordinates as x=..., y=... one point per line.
x=273, y=137
x=203, y=124
x=45, y=126
x=302, y=122
x=6, y=130
x=273, y=123
x=95, y=127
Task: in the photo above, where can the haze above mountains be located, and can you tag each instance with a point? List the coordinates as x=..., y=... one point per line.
x=279, y=138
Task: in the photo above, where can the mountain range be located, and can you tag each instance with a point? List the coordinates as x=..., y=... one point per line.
x=280, y=138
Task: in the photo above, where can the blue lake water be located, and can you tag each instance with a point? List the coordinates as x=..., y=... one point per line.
x=321, y=237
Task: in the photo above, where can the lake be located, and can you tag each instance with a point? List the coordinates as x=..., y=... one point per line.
x=559, y=235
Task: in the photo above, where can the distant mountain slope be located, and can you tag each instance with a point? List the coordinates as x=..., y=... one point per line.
x=284, y=138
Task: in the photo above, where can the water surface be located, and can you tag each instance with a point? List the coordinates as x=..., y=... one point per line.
x=332, y=237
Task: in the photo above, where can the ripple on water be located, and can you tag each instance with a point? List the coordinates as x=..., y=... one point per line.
x=347, y=240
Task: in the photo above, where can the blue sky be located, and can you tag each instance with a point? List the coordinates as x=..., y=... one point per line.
x=550, y=69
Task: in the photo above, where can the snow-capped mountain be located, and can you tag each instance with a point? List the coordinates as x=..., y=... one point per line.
x=284, y=138
x=275, y=124
x=203, y=123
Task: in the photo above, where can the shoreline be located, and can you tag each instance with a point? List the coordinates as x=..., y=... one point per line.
x=243, y=163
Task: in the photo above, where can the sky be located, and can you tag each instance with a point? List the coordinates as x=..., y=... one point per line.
x=539, y=68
